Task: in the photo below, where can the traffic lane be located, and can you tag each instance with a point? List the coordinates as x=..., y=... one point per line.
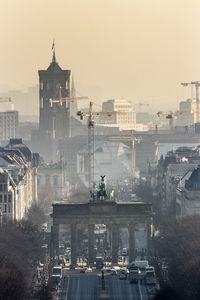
x=143, y=291
x=122, y=289
x=81, y=287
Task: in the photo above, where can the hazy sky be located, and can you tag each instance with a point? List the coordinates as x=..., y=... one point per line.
x=138, y=49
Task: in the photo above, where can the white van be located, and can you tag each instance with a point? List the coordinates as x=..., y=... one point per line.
x=124, y=251
x=57, y=272
x=141, y=264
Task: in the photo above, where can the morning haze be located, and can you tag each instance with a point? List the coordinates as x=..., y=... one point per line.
x=139, y=50
x=100, y=149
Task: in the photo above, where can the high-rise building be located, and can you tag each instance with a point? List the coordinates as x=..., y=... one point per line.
x=8, y=125
x=53, y=83
x=187, y=113
x=125, y=120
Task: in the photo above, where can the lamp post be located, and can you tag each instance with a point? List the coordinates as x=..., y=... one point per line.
x=1, y=217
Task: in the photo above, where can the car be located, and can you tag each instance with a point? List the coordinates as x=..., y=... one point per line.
x=82, y=270
x=113, y=272
x=123, y=274
x=150, y=268
x=124, y=251
x=117, y=268
x=72, y=267
x=108, y=270
x=54, y=287
x=88, y=270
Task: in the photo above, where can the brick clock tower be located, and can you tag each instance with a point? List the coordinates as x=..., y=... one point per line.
x=53, y=119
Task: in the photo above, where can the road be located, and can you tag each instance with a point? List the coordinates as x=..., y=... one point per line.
x=78, y=286
x=123, y=290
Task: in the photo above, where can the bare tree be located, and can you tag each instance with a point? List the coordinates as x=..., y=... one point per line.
x=20, y=246
x=12, y=283
x=36, y=215
x=46, y=196
x=180, y=245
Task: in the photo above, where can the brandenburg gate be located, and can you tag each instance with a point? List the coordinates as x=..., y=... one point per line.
x=111, y=213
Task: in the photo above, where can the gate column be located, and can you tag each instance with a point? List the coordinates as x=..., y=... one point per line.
x=131, y=242
x=91, y=243
x=115, y=243
x=73, y=244
x=148, y=230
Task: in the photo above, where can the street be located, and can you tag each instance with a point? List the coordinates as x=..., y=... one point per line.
x=123, y=290
x=78, y=286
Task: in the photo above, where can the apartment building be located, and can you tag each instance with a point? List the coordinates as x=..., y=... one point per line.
x=18, y=179
x=9, y=125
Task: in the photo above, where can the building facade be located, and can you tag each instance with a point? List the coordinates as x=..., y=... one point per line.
x=188, y=194
x=54, y=176
x=9, y=125
x=170, y=171
x=18, y=179
x=126, y=120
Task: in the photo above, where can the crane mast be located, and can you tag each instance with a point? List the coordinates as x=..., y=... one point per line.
x=91, y=125
x=90, y=148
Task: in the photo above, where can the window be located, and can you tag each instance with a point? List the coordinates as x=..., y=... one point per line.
x=5, y=198
x=1, y=196
x=5, y=188
x=47, y=179
x=9, y=198
x=1, y=187
x=9, y=208
x=55, y=180
x=5, y=208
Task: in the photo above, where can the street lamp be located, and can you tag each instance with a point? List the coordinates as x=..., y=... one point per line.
x=1, y=217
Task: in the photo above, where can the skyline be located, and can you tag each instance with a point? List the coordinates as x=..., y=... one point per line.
x=139, y=50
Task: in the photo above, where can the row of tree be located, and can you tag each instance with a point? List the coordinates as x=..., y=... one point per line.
x=21, y=250
x=180, y=247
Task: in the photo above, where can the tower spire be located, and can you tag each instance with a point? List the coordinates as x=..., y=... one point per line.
x=54, y=52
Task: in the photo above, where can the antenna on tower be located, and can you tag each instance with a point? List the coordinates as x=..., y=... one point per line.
x=54, y=51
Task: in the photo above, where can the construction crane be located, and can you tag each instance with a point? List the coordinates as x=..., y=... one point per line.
x=132, y=139
x=197, y=85
x=91, y=124
x=5, y=99
x=62, y=100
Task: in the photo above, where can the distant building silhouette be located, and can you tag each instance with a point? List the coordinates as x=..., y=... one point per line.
x=53, y=83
